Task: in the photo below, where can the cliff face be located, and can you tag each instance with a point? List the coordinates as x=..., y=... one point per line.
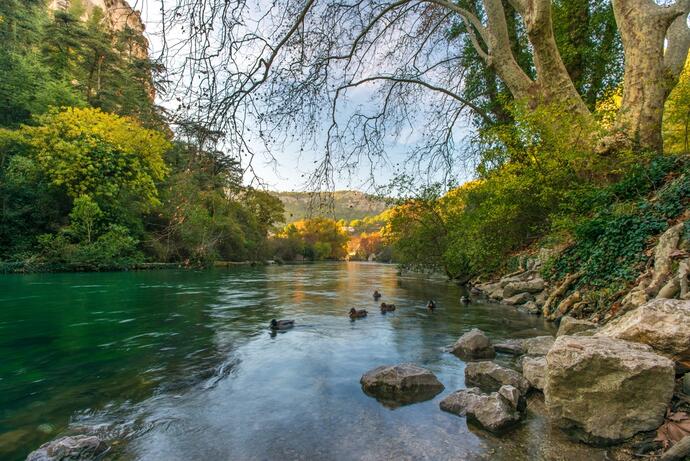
x=118, y=16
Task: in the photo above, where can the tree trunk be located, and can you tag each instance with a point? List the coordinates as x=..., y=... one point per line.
x=648, y=79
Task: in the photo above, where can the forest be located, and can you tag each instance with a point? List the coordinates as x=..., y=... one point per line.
x=91, y=175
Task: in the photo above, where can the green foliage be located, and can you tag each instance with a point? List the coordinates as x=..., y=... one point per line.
x=89, y=152
x=609, y=247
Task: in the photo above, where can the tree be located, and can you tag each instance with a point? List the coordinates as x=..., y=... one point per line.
x=294, y=73
x=109, y=158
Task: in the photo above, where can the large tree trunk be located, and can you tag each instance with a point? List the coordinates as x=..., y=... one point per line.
x=649, y=77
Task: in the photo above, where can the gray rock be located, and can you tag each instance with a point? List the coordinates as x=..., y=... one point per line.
x=534, y=370
x=604, y=390
x=396, y=385
x=493, y=412
x=514, y=397
x=534, y=285
x=73, y=448
x=510, y=346
x=686, y=383
x=678, y=452
x=490, y=376
x=474, y=345
x=531, y=307
x=516, y=300
x=664, y=324
x=571, y=326
x=539, y=345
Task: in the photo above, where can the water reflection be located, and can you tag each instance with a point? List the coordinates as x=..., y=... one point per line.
x=181, y=365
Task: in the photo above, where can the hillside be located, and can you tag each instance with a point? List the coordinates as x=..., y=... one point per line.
x=346, y=205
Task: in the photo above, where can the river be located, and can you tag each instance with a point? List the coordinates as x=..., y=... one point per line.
x=180, y=365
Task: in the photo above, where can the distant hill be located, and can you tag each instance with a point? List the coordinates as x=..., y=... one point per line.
x=347, y=205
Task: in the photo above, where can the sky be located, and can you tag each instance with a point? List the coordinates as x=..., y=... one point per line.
x=288, y=168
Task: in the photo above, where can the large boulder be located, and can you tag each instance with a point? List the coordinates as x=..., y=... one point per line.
x=538, y=345
x=570, y=326
x=518, y=299
x=73, y=448
x=534, y=371
x=395, y=385
x=492, y=411
x=534, y=285
x=474, y=345
x=490, y=376
x=603, y=390
x=664, y=324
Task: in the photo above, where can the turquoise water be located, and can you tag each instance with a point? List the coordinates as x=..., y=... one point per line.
x=180, y=365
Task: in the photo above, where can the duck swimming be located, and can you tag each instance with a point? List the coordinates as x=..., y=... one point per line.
x=377, y=295
x=465, y=300
x=387, y=308
x=281, y=324
x=431, y=305
x=357, y=314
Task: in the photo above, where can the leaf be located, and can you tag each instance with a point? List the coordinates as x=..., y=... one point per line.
x=675, y=427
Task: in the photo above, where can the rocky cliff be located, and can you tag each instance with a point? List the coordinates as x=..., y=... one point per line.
x=118, y=16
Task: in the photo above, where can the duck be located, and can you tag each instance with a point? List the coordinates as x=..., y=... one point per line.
x=465, y=300
x=387, y=308
x=357, y=314
x=281, y=324
x=431, y=305
x=377, y=295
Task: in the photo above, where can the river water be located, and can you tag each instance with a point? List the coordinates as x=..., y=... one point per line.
x=180, y=365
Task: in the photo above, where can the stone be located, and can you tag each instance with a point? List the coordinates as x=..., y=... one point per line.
x=538, y=345
x=72, y=448
x=520, y=298
x=604, y=390
x=514, y=397
x=534, y=285
x=396, y=385
x=570, y=326
x=493, y=412
x=531, y=307
x=678, y=452
x=686, y=384
x=490, y=376
x=510, y=346
x=664, y=324
x=474, y=345
x=534, y=371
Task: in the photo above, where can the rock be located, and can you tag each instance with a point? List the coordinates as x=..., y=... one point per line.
x=474, y=345
x=493, y=412
x=527, y=286
x=490, y=376
x=514, y=397
x=531, y=307
x=396, y=385
x=686, y=383
x=538, y=345
x=570, y=326
x=510, y=346
x=678, y=452
x=540, y=298
x=534, y=371
x=518, y=299
x=516, y=277
x=664, y=324
x=74, y=448
x=603, y=390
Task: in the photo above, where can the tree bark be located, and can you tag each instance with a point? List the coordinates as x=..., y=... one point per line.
x=648, y=79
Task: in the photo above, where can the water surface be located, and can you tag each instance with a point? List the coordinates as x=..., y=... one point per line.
x=180, y=365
